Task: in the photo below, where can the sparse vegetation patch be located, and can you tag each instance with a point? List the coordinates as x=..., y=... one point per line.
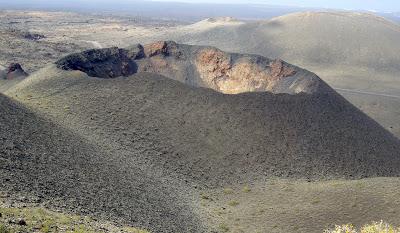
x=375, y=227
x=37, y=219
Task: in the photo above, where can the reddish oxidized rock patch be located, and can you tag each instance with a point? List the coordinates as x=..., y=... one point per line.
x=165, y=48
x=280, y=70
x=218, y=71
x=156, y=48
x=213, y=65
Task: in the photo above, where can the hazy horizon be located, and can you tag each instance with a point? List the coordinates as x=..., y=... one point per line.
x=368, y=5
x=372, y=5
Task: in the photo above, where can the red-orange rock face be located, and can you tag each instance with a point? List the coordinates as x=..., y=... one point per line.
x=156, y=48
x=197, y=66
x=219, y=72
x=279, y=70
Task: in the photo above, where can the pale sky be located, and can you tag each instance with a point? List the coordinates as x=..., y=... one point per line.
x=372, y=5
x=378, y=5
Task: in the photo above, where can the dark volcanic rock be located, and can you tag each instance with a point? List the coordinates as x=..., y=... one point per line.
x=15, y=70
x=21, y=222
x=135, y=51
x=26, y=34
x=15, y=67
x=218, y=139
x=32, y=36
x=103, y=63
x=41, y=159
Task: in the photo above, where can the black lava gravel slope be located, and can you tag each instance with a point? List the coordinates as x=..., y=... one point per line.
x=60, y=168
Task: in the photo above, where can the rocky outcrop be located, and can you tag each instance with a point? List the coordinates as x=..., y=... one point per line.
x=14, y=70
x=156, y=49
x=32, y=36
x=209, y=67
x=245, y=74
x=213, y=66
x=280, y=70
x=26, y=35
x=13, y=67
x=103, y=63
x=163, y=48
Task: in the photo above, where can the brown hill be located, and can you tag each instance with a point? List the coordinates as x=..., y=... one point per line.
x=309, y=38
x=356, y=53
x=40, y=159
x=293, y=130
x=158, y=153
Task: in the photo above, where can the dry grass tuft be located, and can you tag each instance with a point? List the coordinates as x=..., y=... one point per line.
x=233, y=203
x=246, y=189
x=45, y=221
x=228, y=191
x=376, y=227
